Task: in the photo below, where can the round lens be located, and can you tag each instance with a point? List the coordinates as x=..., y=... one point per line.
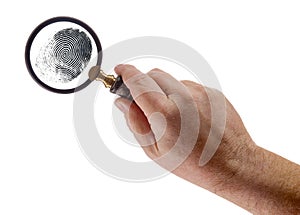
x=60, y=52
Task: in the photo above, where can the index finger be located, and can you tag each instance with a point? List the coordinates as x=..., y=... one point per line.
x=144, y=90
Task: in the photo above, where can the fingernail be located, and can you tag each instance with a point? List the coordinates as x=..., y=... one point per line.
x=124, y=107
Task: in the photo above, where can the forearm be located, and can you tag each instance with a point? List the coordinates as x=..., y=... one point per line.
x=260, y=181
x=271, y=183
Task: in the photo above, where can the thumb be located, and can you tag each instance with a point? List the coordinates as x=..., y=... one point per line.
x=138, y=124
x=123, y=105
x=134, y=116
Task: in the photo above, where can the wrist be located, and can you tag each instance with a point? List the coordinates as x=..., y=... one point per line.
x=261, y=181
x=232, y=172
x=229, y=161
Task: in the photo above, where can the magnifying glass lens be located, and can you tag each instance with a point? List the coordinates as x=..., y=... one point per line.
x=64, y=55
x=60, y=52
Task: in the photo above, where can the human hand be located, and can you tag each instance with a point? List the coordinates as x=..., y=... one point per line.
x=194, y=132
x=175, y=124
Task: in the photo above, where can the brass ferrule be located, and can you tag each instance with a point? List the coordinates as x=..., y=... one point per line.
x=96, y=73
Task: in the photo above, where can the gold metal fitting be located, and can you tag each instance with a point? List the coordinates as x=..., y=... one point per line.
x=96, y=73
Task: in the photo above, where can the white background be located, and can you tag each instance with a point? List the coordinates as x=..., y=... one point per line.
x=253, y=47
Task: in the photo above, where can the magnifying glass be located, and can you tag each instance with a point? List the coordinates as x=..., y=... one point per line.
x=60, y=55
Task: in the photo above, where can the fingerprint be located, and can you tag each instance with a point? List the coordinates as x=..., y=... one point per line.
x=64, y=56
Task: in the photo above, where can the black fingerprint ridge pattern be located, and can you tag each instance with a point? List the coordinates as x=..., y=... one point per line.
x=65, y=56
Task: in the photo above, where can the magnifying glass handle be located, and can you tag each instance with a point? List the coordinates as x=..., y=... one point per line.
x=116, y=85
x=120, y=88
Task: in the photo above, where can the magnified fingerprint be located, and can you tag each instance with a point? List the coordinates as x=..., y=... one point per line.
x=64, y=56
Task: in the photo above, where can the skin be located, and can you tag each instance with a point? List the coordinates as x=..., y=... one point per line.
x=239, y=171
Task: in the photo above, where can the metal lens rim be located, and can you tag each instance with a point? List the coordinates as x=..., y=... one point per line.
x=32, y=37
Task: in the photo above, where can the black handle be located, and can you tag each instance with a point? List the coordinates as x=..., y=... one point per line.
x=120, y=89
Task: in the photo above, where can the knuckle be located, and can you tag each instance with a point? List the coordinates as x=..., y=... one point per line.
x=155, y=71
x=188, y=82
x=138, y=79
x=195, y=87
x=130, y=67
x=213, y=92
